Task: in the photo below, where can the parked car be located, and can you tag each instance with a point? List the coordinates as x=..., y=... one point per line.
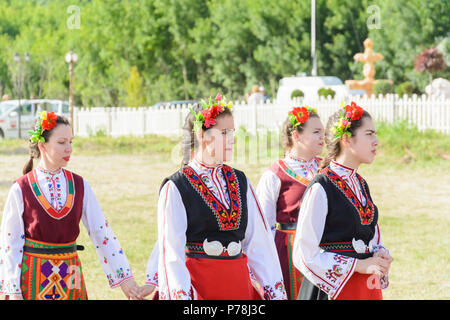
x=9, y=115
x=309, y=86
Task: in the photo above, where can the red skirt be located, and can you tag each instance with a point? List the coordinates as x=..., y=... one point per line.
x=361, y=287
x=221, y=279
x=284, y=242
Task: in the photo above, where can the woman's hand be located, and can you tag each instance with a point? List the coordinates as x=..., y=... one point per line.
x=146, y=290
x=131, y=289
x=383, y=253
x=374, y=265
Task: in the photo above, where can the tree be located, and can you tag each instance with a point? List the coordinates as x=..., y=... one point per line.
x=133, y=85
x=430, y=61
x=407, y=27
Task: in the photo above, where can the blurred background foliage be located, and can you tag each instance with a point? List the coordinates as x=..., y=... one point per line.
x=141, y=52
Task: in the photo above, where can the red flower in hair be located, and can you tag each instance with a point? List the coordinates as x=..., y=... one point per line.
x=210, y=110
x=355, y=111
x=49, y=121
x=210, y=115
x=210, y=122
x=301, y=114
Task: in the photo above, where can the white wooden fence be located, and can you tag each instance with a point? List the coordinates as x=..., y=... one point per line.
x=423, y=111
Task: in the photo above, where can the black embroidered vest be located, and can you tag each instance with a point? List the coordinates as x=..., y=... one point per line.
x=207, y=218
x=346, y=218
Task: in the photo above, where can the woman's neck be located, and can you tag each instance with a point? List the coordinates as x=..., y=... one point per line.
x=46, y=165
x=348, y=161
x=300, y=154
x=206, y=159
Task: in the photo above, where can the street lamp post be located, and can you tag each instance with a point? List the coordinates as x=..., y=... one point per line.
x=18, y=60
x=313, y=38
x=71, y=59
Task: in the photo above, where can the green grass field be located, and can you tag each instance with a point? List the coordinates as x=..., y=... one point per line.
x=412, y=193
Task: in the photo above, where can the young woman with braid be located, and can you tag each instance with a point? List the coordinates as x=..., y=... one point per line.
x=40, y=225
x=210, y=226
x=338, y=245
x=281, y=188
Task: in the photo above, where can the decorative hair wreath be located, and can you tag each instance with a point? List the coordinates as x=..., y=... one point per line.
x=46, y=121
x=299, y=115
x=350, y=113
x=207, y=116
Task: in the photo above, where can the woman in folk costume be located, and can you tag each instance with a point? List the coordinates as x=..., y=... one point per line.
x=40, y=225
x=338, y=245
x=281, y=188
x=211, y=230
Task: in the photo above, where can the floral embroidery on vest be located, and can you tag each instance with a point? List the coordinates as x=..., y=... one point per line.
x=292, y=174
x=227, y=219
x=366, y=213
x=57, y=214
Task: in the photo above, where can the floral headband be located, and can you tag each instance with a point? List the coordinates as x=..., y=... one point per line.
x=350, y=113
x=299, y=115
x=46, y=121
x=211, y=110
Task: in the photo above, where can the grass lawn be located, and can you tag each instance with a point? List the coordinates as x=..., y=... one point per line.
x=412, y=199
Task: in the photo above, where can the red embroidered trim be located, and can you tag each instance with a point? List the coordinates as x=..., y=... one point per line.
x=366, y=213
x=259, y=208
x=227, y=219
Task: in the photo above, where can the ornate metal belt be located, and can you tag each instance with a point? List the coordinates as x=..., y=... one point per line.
x=214, y=249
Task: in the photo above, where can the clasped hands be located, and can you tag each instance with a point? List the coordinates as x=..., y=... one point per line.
x=135, y=292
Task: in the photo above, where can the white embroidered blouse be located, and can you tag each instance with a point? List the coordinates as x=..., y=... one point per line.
x=170, y=250
x=12, y=238
x=268, y=189
x=314, y=263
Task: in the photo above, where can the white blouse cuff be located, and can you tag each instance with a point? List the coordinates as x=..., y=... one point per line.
x=116, y=283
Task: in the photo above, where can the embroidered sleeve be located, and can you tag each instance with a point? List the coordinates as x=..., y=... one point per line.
x=152, y=267
x=173, y=276
x=328, y=271
x=111, y=255
x=268, y=191
x=264, y=264
x=12, y=240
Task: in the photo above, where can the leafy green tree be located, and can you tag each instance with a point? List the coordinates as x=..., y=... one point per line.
x=133, y=85
x=407, y=28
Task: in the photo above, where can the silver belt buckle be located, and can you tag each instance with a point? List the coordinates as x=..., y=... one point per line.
x=215, y=248
x=360, y=246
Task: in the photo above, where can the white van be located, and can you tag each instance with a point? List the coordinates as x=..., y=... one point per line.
x=9, y=115
x=309, y=86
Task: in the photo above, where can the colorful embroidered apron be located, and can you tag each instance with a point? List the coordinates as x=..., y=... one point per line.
x=51, y=272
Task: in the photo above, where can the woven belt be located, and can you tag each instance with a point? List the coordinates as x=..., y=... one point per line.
x=357, y=246
x=337, y=246
x=61, y=250
x=287, y=226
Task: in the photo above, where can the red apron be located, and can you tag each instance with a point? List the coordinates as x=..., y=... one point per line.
x=361, y=287
x=221, y=279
